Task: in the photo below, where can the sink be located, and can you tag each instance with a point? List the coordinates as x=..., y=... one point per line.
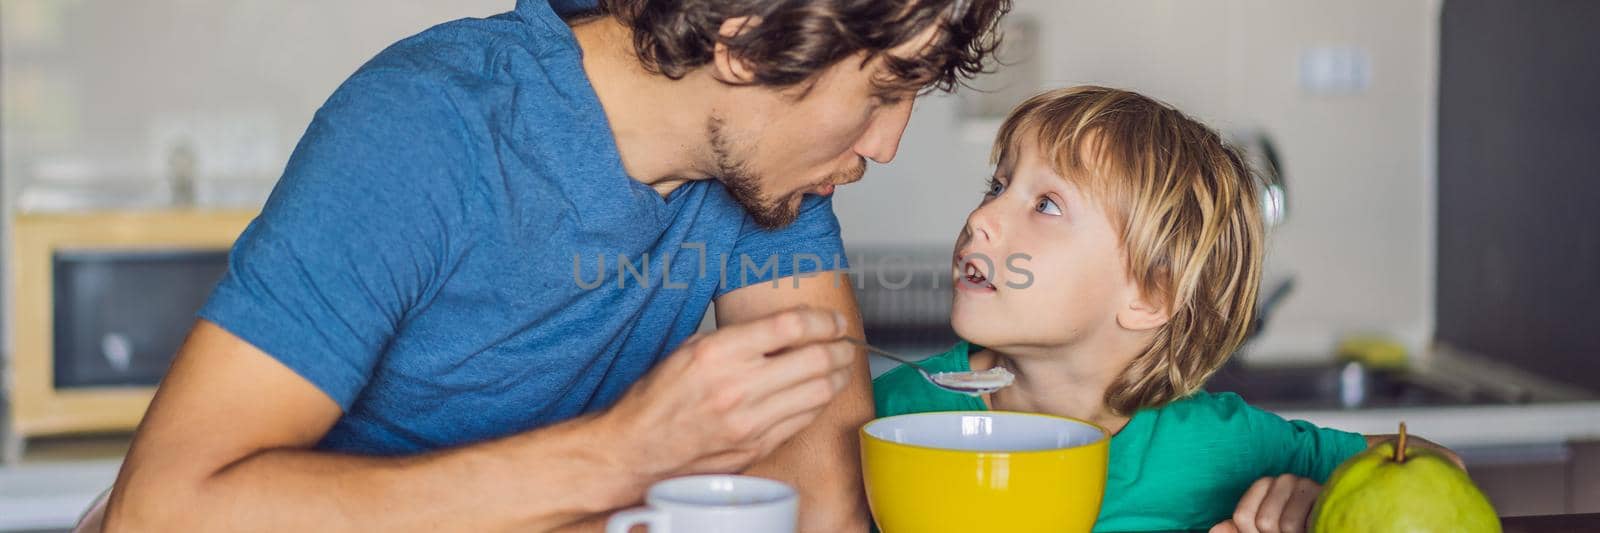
x=1345, y=386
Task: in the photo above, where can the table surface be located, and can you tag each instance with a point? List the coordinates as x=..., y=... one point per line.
x=1564, y=523
x=1552, y=524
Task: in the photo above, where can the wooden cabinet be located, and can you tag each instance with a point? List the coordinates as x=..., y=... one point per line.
x=132, y=313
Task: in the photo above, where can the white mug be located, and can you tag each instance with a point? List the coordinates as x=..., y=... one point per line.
x=713, y=504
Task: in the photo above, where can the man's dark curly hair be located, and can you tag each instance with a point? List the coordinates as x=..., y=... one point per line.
x=796, y=39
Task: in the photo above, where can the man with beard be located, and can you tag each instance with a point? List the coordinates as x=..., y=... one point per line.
x=470, y=301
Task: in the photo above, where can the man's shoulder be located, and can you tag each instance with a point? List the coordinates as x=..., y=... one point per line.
x=471, y=60
x=446, y=101
x=472, y=47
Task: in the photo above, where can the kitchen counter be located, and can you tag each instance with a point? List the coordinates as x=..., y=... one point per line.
x=1470, y=426
x=1457, y=399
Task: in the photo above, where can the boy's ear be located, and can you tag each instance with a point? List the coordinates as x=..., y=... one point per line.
x=726, y=66
x=1144, y=313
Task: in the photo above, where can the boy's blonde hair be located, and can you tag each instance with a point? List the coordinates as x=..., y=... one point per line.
x=1188, y=212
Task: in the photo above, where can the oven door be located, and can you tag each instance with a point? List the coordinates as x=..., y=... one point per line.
x=121, y=315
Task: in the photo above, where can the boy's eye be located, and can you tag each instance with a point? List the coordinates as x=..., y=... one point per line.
x=1047, y=206
x=994, y=188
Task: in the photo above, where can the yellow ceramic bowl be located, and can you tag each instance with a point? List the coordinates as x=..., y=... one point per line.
x=982, y=471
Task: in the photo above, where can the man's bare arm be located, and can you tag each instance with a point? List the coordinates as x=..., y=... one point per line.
x=227, y=443
x=229, y=433
x=824, y=461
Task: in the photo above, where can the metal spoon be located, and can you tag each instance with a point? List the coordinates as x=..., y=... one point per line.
x=970, y=383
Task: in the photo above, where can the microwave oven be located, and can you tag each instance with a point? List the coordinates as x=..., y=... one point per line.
x=100, y=303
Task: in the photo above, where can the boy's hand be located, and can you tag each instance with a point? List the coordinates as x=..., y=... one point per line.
x=1273, y=505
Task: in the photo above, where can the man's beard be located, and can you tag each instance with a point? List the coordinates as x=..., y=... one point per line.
x=745, y=186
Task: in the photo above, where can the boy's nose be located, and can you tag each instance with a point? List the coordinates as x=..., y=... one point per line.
x=981, y=226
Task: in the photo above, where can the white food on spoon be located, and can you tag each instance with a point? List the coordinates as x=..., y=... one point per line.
x=984, y=381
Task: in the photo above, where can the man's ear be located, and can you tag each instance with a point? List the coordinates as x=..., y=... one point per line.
x=1144, y=313
x=726, y=66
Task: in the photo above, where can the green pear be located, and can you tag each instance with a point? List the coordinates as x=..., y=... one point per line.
x=1395, y=488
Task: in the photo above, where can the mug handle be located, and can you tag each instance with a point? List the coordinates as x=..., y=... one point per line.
x=625, y=520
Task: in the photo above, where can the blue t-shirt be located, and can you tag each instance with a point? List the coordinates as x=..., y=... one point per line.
x=454, y=252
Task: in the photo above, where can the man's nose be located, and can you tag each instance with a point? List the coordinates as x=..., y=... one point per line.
x=882, y=138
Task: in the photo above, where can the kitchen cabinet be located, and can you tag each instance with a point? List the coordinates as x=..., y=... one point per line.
x=1539, y=479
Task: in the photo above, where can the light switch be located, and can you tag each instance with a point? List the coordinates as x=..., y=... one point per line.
x=1335, y=70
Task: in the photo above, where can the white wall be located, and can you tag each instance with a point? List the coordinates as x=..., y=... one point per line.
x=91, y=86
x=1358, y=239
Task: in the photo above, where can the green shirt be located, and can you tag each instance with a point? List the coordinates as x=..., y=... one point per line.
x=1180, y=466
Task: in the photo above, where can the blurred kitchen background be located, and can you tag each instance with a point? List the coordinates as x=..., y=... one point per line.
x=1437, y=261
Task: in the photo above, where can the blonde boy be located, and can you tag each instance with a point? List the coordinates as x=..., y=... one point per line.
x=1138, y=240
